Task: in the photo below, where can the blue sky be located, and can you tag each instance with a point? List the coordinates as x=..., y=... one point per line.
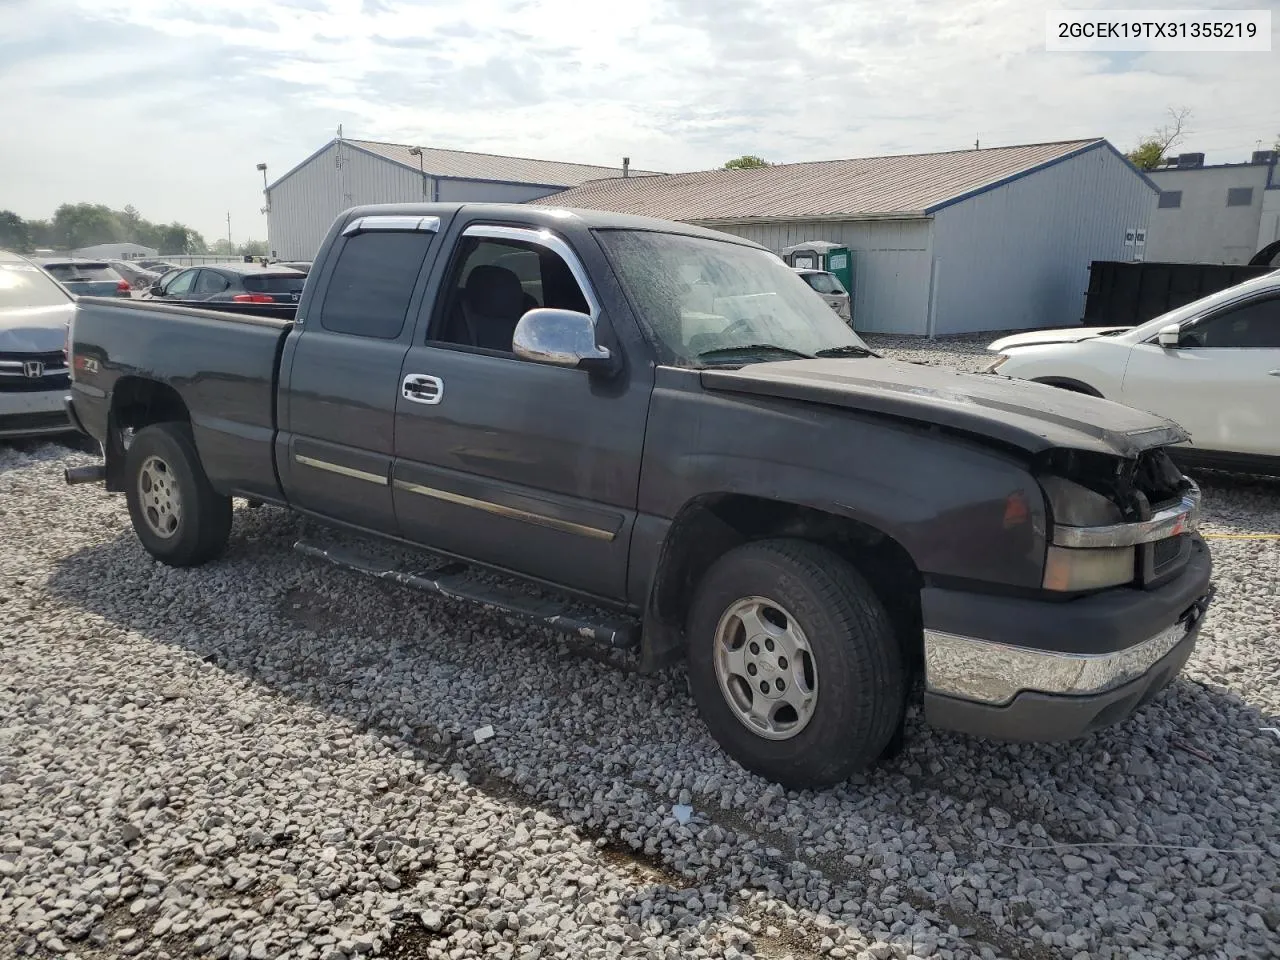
x=170, y=105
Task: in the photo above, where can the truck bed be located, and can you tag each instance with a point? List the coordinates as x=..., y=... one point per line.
x=223, y=366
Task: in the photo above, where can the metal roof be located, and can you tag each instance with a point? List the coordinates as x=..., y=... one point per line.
x=464, y=165
x=869, y=188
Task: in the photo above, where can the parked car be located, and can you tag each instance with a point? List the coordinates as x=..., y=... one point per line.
x=34, y=313
x=138, y=277
x=1212, y=365
x=156, y=266
x=86, y=278
x=745, y=486
x=231, y=282
x=829, y=287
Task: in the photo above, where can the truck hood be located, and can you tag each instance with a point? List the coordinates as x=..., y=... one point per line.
x=1035, y=338
x=1030, y=416
x=34, y=329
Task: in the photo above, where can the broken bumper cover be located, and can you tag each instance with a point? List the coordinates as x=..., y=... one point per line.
x=1095, y=659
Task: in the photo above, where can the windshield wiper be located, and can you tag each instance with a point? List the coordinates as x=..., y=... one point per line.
x=851, y=350
x=749, y=348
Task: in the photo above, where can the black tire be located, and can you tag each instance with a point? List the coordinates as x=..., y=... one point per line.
x=204, y=521
x=861, y=678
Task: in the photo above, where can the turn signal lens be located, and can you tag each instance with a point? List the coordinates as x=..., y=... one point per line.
x=1069, y=571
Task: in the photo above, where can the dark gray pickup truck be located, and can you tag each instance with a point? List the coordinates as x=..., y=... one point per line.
x=666, y=441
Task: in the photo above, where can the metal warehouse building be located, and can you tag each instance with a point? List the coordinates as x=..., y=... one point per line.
x=942, y=243
x=303, y=203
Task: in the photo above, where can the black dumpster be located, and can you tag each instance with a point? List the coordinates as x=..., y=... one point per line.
x=1123, y=293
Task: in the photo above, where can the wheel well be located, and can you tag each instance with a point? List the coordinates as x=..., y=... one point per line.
x=710, y=526
x=1067, y=383
x=136, y=403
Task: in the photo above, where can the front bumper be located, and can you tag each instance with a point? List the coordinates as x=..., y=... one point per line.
x=32, y=413
x=1034, y=670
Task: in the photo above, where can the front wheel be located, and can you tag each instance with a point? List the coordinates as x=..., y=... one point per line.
x=794, y=664
x=179, y=517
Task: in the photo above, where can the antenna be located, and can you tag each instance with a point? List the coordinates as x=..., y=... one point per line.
x=975, y=145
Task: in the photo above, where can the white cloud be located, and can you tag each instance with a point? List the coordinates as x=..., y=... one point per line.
x=169, y=105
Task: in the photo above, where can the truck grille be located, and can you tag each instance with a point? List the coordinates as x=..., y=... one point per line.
x=33, y=372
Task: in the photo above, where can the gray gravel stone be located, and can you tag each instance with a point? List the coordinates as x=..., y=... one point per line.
x=292, y=745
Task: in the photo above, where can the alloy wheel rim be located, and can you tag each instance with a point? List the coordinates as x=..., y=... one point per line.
x=766, y=668
x=159, y=498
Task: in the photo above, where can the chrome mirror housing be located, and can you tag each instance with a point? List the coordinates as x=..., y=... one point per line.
x=562, y=338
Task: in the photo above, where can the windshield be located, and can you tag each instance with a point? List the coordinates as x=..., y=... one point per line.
x=823, y=282
x=701, y=297
x=23, y=285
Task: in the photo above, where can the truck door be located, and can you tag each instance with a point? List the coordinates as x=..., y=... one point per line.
x=334, y=449
x=519, y=465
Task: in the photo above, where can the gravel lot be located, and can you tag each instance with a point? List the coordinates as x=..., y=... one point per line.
x=269, y=758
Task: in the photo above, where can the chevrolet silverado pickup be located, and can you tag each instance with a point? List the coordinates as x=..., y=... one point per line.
x=663, y=440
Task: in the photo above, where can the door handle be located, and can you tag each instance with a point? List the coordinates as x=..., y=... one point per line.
x=421, y=388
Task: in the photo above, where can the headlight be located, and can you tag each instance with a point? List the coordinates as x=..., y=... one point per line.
x=1069, y=570
x=995, y=364
x=1078, y=506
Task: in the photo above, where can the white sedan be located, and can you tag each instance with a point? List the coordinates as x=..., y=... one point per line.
x=1212, y=366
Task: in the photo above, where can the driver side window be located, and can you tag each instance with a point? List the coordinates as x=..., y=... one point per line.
x=493, y=283
x=1255, y=324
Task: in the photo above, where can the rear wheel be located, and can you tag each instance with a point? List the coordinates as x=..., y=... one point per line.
x=794, y=663
x=179, y=517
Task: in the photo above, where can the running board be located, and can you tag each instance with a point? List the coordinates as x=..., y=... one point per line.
x=451, y=581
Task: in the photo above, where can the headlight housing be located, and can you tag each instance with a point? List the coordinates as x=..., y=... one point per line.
x=1070, y=570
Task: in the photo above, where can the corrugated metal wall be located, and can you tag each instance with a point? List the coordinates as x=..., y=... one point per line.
x=304, y=205
x=891, y=262
x=1018, y=256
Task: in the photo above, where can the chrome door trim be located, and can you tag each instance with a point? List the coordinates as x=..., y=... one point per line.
x=422, y=379
x=545, y=238
x=340, y=469
x=511, y=513
x=378, y=222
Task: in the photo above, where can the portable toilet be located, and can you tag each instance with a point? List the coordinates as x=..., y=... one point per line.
x=810, y=255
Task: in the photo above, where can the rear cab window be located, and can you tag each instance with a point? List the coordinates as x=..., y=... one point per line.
x=372, y=282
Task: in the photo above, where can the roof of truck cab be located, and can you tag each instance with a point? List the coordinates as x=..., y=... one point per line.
x=547, y=216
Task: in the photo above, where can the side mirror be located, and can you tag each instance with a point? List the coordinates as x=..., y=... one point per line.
x=562, y=338
x=1170, y=336
x=157, y=290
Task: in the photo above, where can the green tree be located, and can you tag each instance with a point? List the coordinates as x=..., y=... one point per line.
x=14, y=234
x=178, y=238
x=1153, y=149
x=747, y=161
x=84, y=224
x=253, y=248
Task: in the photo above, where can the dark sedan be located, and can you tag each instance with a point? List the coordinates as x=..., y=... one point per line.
x=232, y=282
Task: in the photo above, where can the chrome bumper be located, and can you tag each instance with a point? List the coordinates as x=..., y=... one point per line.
x=981, y=671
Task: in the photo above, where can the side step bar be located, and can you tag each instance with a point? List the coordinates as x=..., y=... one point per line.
x=450, y=581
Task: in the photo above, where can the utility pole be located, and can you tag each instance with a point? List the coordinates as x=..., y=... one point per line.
x=975, y=145
x=230, y=247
